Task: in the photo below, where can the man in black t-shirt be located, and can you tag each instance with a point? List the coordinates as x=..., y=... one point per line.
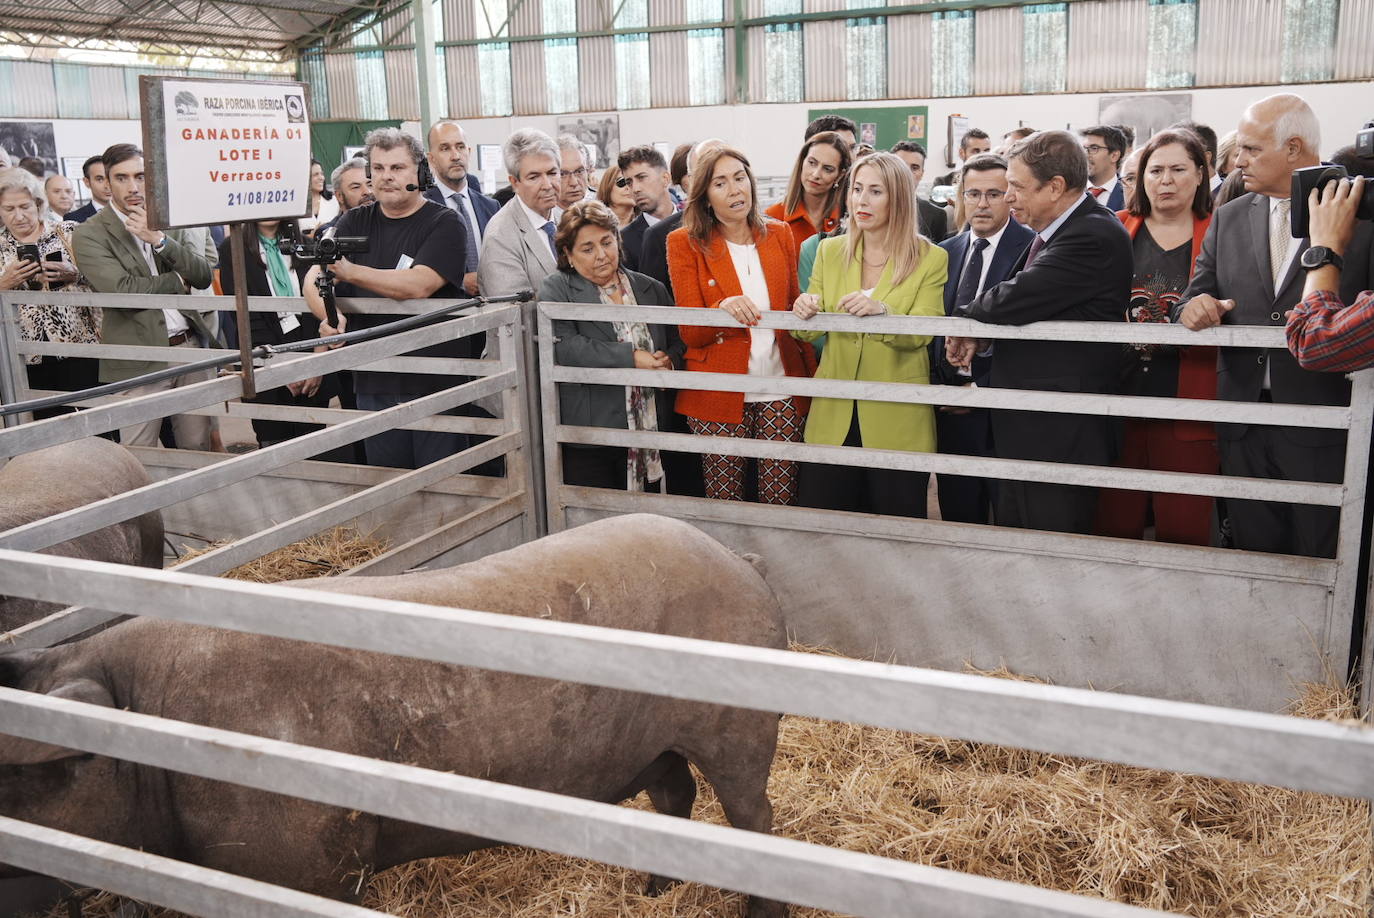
x=415, y=251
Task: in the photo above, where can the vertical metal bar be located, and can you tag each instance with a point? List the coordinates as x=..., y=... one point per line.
x=1357, y=445
x=741, y=55
x=553, y=454
x=531, y=337
x=14, y=381
x=237, y=263
x=523, y=466
x=426, y=71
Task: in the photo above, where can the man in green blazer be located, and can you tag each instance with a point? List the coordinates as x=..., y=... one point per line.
x=119, y=253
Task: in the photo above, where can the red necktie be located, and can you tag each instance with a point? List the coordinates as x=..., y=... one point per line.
x=1096, y=191
x=1034, y=250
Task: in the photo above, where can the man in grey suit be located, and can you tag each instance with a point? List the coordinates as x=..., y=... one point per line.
x=1248, y=274
x=119, y=253
x=517, y=248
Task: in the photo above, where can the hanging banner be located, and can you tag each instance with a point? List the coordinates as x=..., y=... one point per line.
x=224, y=151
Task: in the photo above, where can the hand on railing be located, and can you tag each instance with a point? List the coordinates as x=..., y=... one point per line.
x=742, y=308
x=1204, y=311
x=806, y=306
x=859, y=303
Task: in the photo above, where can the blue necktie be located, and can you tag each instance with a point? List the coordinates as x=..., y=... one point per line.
x=471, y=250
x=548, y=231
x=973, y=273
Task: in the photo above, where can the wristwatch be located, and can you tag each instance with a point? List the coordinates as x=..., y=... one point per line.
x=161, y=243
x=1319, y=256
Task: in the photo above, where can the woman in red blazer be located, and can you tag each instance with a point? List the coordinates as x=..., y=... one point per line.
x=727, y=255
x=1167, y=218
x=816, y=188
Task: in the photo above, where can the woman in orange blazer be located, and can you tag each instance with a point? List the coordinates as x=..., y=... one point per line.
x=726, y=255
x=1167, y=218
x=816, y=189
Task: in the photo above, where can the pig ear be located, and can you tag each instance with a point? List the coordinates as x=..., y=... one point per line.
x=17, y=751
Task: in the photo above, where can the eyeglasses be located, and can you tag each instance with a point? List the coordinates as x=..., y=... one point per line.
x=622, y=182
x=1092, y=149
x=973, y=196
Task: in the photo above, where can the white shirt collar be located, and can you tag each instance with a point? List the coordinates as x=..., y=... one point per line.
x=449, y=191
x=1053, y=228
x=1108, y=185
x=537, y=221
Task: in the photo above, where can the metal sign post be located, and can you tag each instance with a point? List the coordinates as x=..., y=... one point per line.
x=236, y=260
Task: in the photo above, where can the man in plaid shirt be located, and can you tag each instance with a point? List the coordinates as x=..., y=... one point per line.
x=1324, y=333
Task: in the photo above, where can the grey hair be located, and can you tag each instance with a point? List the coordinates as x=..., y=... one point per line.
x=527, y=142
x=1293, y=118
x=568, y=142
x=13, y=178
x=389, y=138
x=356, y=162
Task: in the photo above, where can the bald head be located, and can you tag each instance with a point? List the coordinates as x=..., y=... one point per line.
x=1276, y=135
x=701, y=147
x=1287, y=117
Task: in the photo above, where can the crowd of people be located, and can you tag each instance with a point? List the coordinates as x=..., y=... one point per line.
x=1086, y=226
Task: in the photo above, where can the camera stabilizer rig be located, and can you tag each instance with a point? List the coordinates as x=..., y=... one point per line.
x=323, y=250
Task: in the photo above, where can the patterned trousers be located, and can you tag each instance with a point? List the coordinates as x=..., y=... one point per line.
x=780, y=420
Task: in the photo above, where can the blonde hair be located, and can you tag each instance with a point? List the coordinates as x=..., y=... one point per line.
x=901, y=238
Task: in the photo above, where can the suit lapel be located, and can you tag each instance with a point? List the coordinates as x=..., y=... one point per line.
x=1259, y=232
x=958, y=250
x=535, y=239
x=125, y=244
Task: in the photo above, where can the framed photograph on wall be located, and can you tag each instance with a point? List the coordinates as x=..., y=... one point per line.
x=1147, y=113
x=30, y=138
x=599, y=133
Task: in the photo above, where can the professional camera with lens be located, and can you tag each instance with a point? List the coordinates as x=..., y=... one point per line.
x=1304, y=180
x=324, y=249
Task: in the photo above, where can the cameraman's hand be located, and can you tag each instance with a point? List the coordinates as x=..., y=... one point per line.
x=327, y=330
x=343, y=270
x=1332, y=220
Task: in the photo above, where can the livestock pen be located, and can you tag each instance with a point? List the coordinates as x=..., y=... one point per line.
x=934, y=595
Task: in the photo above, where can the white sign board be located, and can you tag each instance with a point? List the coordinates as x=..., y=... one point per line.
x=225, y=151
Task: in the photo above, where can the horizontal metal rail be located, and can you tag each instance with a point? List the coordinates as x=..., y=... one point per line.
x=163, y=881
x=352, y=305
x=1248, y=336
x=1091, y=476
x=124, y=412
x=751, y=862
x=1153, y=733
x=81, y=520
x=1186, y=409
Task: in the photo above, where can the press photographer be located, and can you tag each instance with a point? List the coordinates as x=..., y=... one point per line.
x=1323, y=332
x=415, y=250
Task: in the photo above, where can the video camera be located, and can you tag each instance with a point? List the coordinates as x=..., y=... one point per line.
x=1318, y=177
x=324, y=250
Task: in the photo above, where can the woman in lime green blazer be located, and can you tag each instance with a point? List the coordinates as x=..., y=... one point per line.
x=882, y=267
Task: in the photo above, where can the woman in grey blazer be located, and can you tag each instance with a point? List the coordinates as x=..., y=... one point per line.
x=589, y=271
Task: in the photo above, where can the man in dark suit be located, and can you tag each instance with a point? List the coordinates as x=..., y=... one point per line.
x=1248, y=273
x=1079, y=268
x=647, y=173
x=980, y=258
x=93, y=172
x=653, y=258
x=449, y=154
x=932, y=221
x=1106, y=147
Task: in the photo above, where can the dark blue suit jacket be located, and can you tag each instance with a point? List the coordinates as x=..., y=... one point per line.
x=83, y=213
x=1015, y=240
x=1116, y=200
x=484, y=206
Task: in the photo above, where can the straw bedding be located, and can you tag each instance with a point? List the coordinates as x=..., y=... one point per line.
x=1180, y=843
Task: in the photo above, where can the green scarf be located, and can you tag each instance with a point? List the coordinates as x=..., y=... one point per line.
x=277, y=271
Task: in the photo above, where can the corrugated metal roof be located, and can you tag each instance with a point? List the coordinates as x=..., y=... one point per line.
x=263, y=25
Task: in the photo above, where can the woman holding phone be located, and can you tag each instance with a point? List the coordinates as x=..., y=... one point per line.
x=36, y=254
